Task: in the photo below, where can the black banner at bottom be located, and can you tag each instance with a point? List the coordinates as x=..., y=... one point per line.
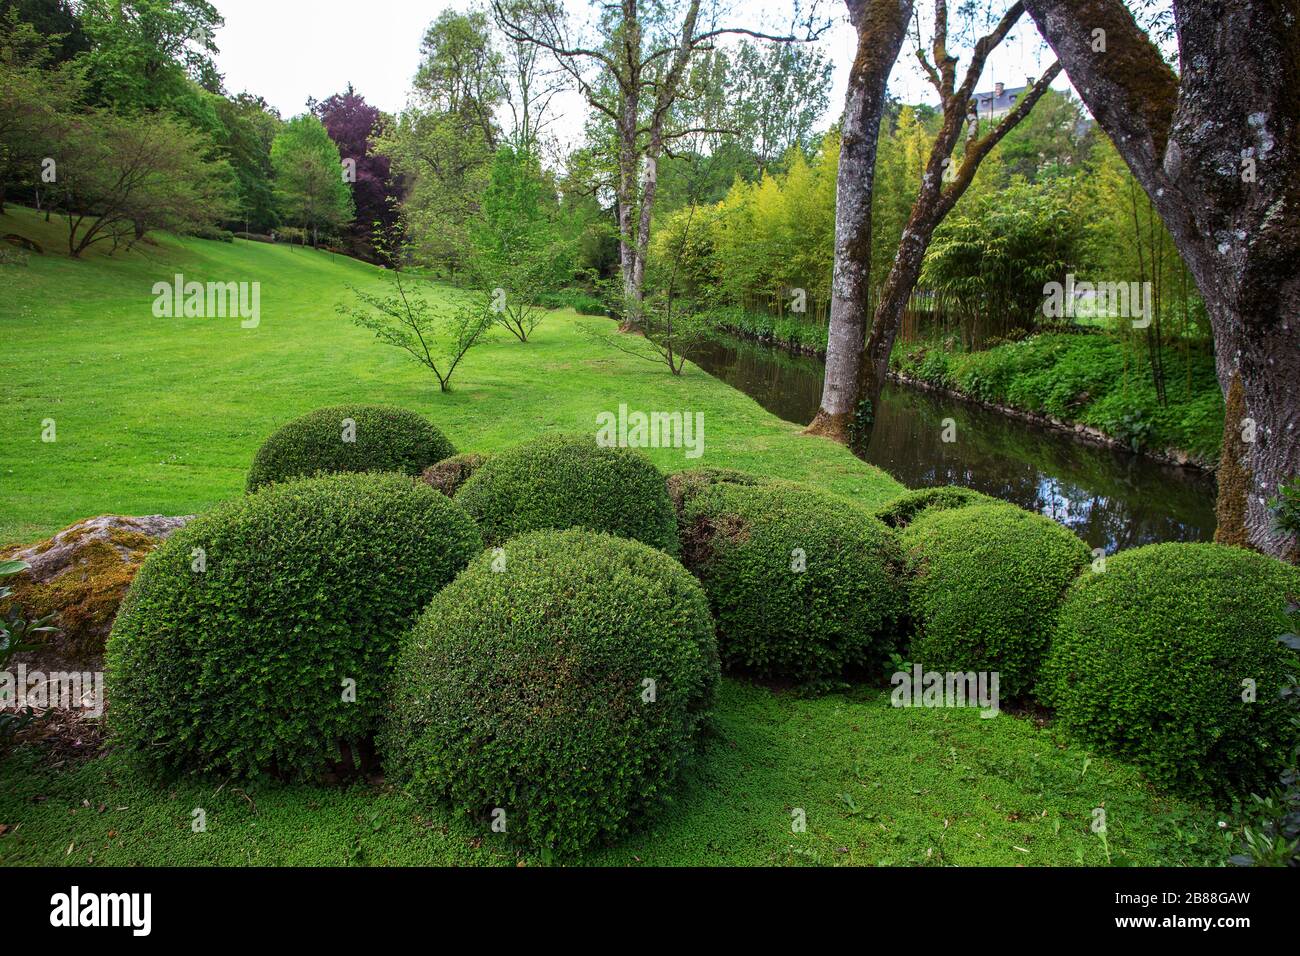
x=215, y=906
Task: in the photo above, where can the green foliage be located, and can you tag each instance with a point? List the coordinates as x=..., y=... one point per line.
x=1285, y=506
x=37, y=94
x=933, y=367
x=1083, y=367
x=569, y=481
x=437, y=335
x=1088, y=378
x=1045, y=143
x=441, y=145
x=309, y=185
x=517, y=242
x=803, y=585
x=685, y=485
x=145, y=54
x=349, y=438
x=996, y=254
x=1272, y=835
x=762, y=241
x=563, y=690
x=794, y=331
x=249, y=129
x=236, y=646
x=906, y=508
x=1150, y=661
x=137, y=173
x=579, y=300
x=983, y=586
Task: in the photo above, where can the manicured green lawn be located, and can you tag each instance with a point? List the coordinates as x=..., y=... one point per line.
x=878, y=786
x=163, y=416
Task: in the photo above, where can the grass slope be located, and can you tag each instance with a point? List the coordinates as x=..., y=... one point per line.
x=163, y=415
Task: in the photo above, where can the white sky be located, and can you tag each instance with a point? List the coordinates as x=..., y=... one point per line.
x=287, y=50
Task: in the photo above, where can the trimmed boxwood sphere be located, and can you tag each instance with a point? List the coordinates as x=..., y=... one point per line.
x=526, y=686
x=1149, y=659
x=386, y=439
x=233, y=646
x=568, y=481
x=802, y=584
x=903, y=510
x=984, y=583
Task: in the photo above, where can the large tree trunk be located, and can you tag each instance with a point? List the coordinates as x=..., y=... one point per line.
x=1217, y=151
x=936, y=198
x=881, y=25
x=649, y=186
x=627, y=204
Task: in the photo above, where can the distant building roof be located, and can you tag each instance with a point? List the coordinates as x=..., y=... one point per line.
x=1000, y=99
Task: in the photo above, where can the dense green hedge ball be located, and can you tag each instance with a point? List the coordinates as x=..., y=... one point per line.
x=349, y=438
x=555, y=686
x=803, y=585
x=568, y=481
x=1152, y=657
x=984, y=584
x=236, y=646
x=906, y=508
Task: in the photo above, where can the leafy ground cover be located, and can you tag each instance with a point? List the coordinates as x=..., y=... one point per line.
x=1090, y=379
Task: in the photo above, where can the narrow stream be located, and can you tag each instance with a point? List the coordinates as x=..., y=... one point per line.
x=1110, y=498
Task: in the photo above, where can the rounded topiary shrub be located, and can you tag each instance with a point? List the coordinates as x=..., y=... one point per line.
x=261, y=636
x=349, y=438
x=903, y=510
x=1151, y=659
x=559, y=682
x=984, y=585
x=802, y=584
x=568, y=481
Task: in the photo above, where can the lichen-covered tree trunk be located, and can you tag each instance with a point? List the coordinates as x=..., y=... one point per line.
x=881, y=25
x=627, y=196
x=942, y=184
x=1216, y=147
x=649, y=188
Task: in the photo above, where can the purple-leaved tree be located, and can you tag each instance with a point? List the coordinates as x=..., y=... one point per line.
x=351, y=123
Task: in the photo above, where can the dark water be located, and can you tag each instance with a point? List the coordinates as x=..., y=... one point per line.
x=1110, y=498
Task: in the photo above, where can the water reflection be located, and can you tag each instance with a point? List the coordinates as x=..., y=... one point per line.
x=1110, y=498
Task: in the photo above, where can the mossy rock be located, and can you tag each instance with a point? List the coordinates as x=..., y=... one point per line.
x=81, y=575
